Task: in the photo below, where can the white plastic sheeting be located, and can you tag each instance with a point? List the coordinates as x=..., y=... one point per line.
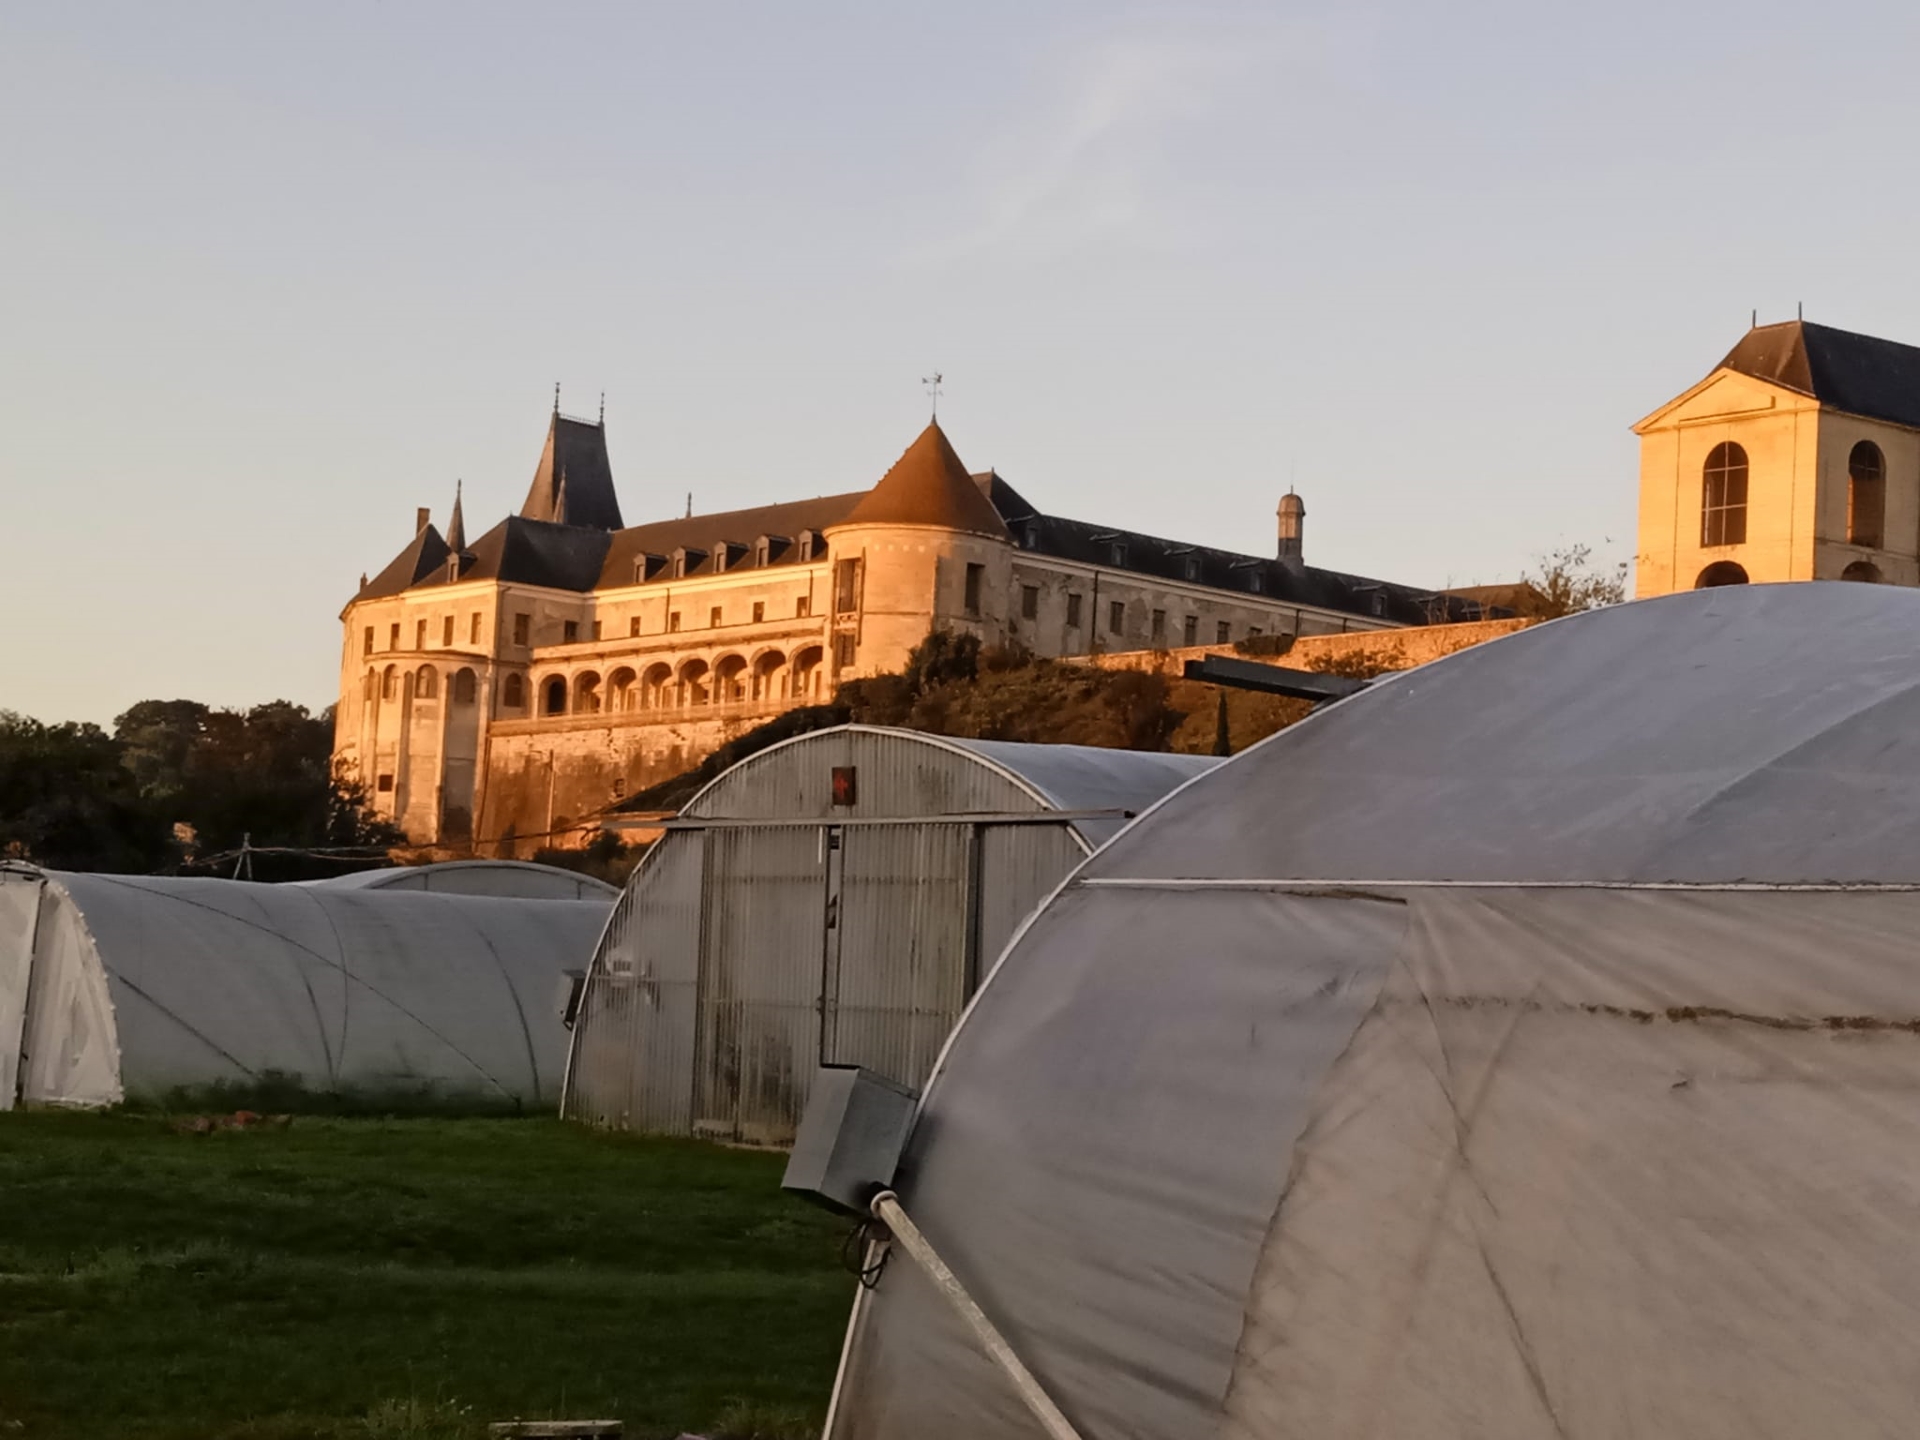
x=114, y=987
x=1562, y=1079
x=517, y=879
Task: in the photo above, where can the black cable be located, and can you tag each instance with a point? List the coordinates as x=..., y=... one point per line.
x=853, y=1247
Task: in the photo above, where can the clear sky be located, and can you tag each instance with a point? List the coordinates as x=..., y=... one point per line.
x=273, y=275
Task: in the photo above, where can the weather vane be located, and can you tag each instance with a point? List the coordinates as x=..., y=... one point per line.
x=932, y=382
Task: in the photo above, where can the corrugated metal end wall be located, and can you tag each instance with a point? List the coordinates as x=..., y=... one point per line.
x=790, y=932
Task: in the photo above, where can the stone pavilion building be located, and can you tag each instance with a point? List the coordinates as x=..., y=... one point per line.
x=1796, y=458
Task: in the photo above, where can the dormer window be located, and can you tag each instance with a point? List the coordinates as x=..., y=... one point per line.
x=810, y=547
x=1189, y=564
x=686, y=560
x=1117, y=553
x=768, y=546
x=1030, y=535
x=727, y=554
x=646, y=565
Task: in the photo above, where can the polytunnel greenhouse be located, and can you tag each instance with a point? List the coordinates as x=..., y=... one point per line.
x=117, y=987
x=1527, y=1046
x=830, y=900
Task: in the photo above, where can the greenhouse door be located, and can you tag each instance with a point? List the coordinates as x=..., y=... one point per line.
x=757, y=1022
x=900, y=956
x=19, y=922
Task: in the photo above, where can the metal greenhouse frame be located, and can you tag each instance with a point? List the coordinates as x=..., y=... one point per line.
x=830, y=900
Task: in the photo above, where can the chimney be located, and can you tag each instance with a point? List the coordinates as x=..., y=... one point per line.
x=420, y=519
x=1293, y=517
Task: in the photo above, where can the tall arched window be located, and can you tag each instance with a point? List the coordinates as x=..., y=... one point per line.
x=426, y=685
x=1723, y=496
x=554, y=696
x=1866, y=494
x=463, y=687
x=513, y=694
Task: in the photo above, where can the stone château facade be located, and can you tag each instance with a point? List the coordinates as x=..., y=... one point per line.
x=1796, y=458
x=500, y=690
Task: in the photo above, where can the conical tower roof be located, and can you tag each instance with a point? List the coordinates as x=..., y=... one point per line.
x=929, y=486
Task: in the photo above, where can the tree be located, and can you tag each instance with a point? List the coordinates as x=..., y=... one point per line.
x=67, y=801
x=1569, y=581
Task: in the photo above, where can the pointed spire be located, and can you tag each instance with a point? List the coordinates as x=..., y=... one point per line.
x=556, y=397
x=457, y=524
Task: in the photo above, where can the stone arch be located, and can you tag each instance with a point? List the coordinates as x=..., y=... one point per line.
x=513, y=692
x=465, y=685
x=696, y=682
x=586, y=692
x=370, y=686
x=553, y=695
x=730, y=679
x=390, y=683
x=804, y=678
x=426, y=683
x=656, y=686
x=769, y=675
x=622, y=694
x=1864, y=572
x=1721, y=572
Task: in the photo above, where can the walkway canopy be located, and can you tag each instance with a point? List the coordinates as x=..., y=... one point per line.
x=116, y=987
x=831, y=899
x=1526, y=1046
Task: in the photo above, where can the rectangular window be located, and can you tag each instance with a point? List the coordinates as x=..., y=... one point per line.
x=419, y=634
x=843, y=649
x=1221, y=632
x=473, y=629
x=673, y=622
x=633, y=627
x=1029, y=602
x=522, y=629
x=759, y=611
x=569, y=631
x=803, y=607
x=596, y=628
x=975, y=574
x=713, y=618
x=1159, y=627
x=846, y=586
x=1190, y=631
x=1073, y=612
x=1116, y=618
x=366, y=641
x=393, y=636
x=384, y=784
x=446, y=632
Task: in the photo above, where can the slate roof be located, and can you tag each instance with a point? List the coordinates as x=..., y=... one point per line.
x=928, y=485
x=575, y=459
x=1859, y=374
x=1288, y=582
x=424, y=554
x=706, y=533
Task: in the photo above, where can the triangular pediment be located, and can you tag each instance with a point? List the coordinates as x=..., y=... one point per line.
x=1723, y=394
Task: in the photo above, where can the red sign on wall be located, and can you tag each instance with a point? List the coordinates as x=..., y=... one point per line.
x=845, y=784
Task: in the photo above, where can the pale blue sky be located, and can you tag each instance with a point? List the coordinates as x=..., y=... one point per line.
x=273, y=275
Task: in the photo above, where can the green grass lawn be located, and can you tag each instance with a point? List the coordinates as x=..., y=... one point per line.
x=401, y=1278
